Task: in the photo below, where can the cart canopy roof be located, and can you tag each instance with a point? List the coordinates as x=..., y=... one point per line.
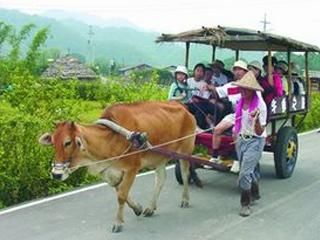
x=239, y=39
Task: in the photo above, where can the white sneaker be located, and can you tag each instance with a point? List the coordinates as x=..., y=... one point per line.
x=213, y=160
x=235, y=167
x=198, y=130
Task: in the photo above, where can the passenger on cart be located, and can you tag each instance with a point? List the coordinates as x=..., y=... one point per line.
x=272, y=86
x=230, y=94
x=256, y=68
x=180, y=91
x=282, y=69
x=218, y=78
x=202, y=105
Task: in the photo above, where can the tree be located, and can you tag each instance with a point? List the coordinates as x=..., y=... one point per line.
x=33, y=52
x=16, y=39
x=5, y=31
x=103, y=66
x=299, y=59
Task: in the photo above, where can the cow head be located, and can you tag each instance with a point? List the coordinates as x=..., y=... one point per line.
x=69, y=148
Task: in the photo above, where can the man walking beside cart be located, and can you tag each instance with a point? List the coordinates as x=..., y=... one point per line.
x=250, y=133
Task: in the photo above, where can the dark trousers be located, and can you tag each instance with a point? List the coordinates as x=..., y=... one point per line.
x=202, y=110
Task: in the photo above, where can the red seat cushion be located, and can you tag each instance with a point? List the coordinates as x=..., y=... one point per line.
x=226, y=147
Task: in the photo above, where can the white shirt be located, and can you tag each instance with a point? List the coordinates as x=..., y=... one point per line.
x=199, y=87
x=219, y=80
x=247, y=127
x=229, y=91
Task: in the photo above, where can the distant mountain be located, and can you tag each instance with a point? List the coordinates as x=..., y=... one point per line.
x=126, y=45
x=89, y=19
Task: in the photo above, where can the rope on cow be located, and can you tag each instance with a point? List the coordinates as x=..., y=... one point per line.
x=130, y=135
x=147, y=148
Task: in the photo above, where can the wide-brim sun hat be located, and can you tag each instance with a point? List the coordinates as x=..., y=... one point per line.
x=249, y=81
x=283, y=66
x=240, y=64
x=181, y=69
x=295, y=69
x=255, y=64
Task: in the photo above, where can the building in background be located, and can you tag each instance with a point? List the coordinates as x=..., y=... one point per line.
x=69, y=67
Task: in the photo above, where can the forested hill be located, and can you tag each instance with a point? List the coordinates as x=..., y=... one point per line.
x=126, y=45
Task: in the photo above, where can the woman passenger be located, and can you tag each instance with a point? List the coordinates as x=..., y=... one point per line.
x=272, y=86
x=282, y=69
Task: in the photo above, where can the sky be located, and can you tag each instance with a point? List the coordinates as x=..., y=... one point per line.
x=295, y=18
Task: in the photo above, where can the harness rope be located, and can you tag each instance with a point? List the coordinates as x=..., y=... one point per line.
x=149, y=147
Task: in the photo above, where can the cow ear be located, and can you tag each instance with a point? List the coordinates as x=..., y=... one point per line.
x=55, y=123
x=46, y=139
x=73, y=125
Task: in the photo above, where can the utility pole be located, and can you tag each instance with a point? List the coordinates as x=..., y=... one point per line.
x=90, y=46
x=265, y=23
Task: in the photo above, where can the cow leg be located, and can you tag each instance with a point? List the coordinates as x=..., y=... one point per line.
x=160, y=178
x=136, y=207
x=122, y=192
x=185, y=165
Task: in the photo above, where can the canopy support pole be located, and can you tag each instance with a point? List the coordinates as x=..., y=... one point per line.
x=237, y=55
x=307, y=79
x=213, y=53
x=290, y=85
x=187, y=54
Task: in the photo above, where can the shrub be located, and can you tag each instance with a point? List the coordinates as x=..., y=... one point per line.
x=25, y=113
x=312, y=119
x=30, y=109
x=120, y=90
x=24, y=164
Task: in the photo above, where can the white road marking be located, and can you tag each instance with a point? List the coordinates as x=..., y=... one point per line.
x=309, y=132
x=62, y=195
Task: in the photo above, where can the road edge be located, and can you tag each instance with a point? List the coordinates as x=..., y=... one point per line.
x=89, y=188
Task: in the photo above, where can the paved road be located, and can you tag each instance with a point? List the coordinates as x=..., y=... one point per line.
x=289, y=209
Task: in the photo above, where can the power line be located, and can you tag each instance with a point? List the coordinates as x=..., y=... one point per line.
x=90, y=46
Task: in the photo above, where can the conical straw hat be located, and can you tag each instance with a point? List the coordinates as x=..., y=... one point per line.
x=249, y=81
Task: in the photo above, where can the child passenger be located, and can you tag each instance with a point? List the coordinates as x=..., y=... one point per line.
x=180, y=91
x=179, y=88
x=249, y=131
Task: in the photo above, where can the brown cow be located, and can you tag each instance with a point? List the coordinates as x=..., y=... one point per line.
x=77, y=145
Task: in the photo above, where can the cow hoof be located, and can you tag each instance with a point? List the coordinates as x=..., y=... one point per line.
x=116, y=228
x=184, y=204
x=148, y=212
x=138, y=210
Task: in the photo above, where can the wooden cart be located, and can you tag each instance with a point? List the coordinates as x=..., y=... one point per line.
x=282, y=138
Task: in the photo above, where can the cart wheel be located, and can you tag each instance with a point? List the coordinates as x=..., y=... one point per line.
x=178, y=173
x=286, y=152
